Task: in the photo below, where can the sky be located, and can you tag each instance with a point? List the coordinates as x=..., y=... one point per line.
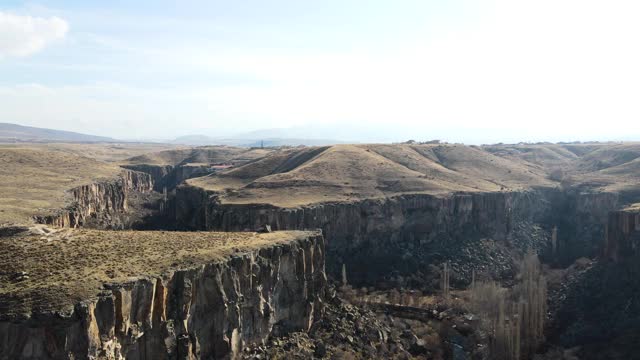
x=461, y=70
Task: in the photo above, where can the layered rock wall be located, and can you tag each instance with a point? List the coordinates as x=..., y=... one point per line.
x=168, y=176
x=208, y=312
x=392, y=233
x=416, y=218
x=408, y=232
x=105, y=199
x=623, y=235
x=161, y=175
x=185, y=172
x=581, y=219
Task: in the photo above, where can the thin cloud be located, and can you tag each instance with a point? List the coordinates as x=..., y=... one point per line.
x=25, y=35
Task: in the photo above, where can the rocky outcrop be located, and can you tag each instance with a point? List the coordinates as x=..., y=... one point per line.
x=596, y=307
x=415, y=218
x=623, y=234
x=207, y=312
x=192, y=206
x=404, y=233
x=105, y=199
x=161, y=175
x=168, y=176
x=190, y=171
x=581, y=218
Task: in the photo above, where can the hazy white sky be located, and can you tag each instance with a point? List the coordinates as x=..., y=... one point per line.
x=473, y=71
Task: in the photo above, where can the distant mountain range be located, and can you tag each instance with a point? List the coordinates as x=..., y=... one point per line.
x=18, y=133
x=309, y=135
x=14, y=133
x=292, y=136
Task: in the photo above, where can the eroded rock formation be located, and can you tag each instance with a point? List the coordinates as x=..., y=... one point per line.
x=623, y=234
x=105, y=199
x=581, y=218
x=393, y=233
x=206, y=312
x=407, y=233
x=169, y=176
x=162, y=175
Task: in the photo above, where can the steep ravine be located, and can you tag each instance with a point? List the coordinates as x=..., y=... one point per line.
x=105, y=203
x=403, y=235
x=169, y=176
x=623, y=234
x=393, y=242
x=599, y=311
x=161, y=175
x=208, y=311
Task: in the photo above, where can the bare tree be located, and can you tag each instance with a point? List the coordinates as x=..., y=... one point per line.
x=513, y=317
x=344, y=275
x=445, y=282
x=532, y=293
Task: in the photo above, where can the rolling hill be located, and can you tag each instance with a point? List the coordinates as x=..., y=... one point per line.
x=309, y=175
x=34, y=180
x=198, y=155
x=11, y=133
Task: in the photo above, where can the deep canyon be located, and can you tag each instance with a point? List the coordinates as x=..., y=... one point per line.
x=389, y=226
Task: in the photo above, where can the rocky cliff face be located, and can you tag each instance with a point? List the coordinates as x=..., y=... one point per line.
x=185, y=172
x=168, y=176
x=406, y=234
x=623, y=235
x=207, y=312
x=106, y=200
x=581, y=219
x=161, y=175
x=598, y=312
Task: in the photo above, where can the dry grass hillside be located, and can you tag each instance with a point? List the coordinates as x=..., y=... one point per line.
x=543, y=156
x=108, y=152
x=65, y=266
x=609, y=156
x=352, y=172
x=35, y=176
x=599, y=166
x=34, y=180
x=198, y=155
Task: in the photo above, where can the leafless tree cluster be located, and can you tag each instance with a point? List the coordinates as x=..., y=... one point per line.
x=532, y=292
x=514, y=318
